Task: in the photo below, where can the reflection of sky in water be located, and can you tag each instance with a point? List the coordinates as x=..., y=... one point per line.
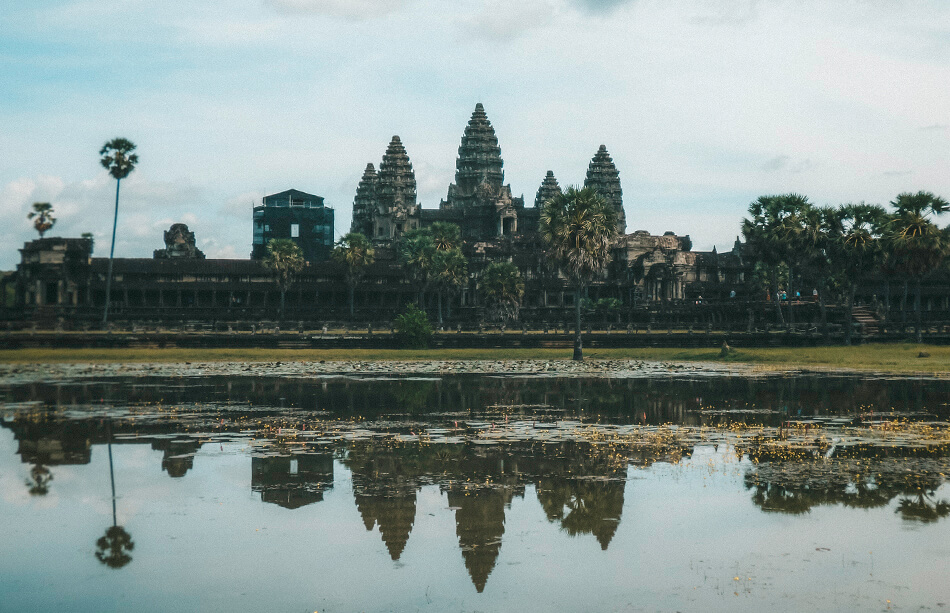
x=206, y=541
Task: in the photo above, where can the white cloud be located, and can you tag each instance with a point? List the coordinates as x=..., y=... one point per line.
x=351, y=9
x=715, y=101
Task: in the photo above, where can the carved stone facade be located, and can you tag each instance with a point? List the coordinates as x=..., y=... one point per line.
x=602, y=176
x=497, y=226
x=549, y=189
x=179, y=243
x=394, y=207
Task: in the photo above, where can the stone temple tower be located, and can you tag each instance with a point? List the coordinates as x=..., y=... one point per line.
x=549, y=189
x=396, y=206
x=364, y=204
x=479, y=201
x=479, y=160
x=603, y=176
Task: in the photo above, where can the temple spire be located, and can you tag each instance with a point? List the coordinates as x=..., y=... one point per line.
x=603, y=176
x=365, y=202
x=397, y=181
x=549, y=189
x=479, y=158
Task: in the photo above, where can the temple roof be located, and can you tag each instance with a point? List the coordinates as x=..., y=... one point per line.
x=603, y=176
x=479, y=158
x=284, y=198
x=549, y=188
x=365, y=201
x=397, y=180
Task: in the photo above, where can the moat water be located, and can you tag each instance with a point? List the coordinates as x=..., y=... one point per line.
x=475, y=492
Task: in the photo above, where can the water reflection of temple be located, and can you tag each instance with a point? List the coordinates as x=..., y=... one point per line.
x=178, y=455
x=580, y=486
x=385, y=493
x=480, y=524
x=292, y=481
x=583, y=506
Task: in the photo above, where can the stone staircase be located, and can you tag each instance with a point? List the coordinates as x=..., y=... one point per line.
x=870, y=325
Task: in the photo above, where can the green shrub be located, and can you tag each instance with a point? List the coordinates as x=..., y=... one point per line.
x=413, y=329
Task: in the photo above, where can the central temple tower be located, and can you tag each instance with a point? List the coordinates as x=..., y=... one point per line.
x=479, y=196
x=479, y=161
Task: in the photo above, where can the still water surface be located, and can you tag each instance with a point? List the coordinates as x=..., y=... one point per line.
x=475, y=493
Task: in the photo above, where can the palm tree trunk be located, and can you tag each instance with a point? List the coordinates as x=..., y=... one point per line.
x=824, y=310
x=115, y=221
x=887, y=299
x=778, y=302
x=578, y=343
x=904, y=305
x=440, y=306
x=791, y=296
x=352, y=298
x=917, y=319
x=283, y=291
x=849, y=328
x=112, y=476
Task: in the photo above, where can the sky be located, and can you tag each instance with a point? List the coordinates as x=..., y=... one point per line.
x=703, y=104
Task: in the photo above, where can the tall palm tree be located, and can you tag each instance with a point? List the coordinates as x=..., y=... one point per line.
x=449, y=271
x=815, y=259
x=355, y=252
x=771, y=235
x=916, y=242
x=501, y=285
x=42, y=216
x=118, y=159
x=415, y=251
x=579, y=229
x=285, y=259
x=855, y=248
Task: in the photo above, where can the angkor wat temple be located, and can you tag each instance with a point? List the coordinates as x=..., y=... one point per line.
x=58, y=277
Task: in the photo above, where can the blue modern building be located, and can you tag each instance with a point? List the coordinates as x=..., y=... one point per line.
x=296, y=215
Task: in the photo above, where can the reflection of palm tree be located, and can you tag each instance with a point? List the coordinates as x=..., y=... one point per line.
x=923, y=508
x=583, y=506
x=113, y=547
x=41, y=476
x=777, y=499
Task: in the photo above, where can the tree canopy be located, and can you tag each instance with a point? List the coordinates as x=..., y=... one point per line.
x=579, y=229
x=503, y=288
x=42, y=216
x=117, y=157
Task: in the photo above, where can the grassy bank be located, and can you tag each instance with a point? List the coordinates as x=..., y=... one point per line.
x=879, y=357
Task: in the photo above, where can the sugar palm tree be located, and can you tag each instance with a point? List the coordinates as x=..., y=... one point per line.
x=118, y=159
x=579, y=229
x=771, y=234
x=814, y=242
x=285, y=259
x=449, y=272
x=355, y=252
x=501, y=285
x=855, y=247
x=445, y=235
x=415, y=251
x=42, y=216
x=916, y=243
